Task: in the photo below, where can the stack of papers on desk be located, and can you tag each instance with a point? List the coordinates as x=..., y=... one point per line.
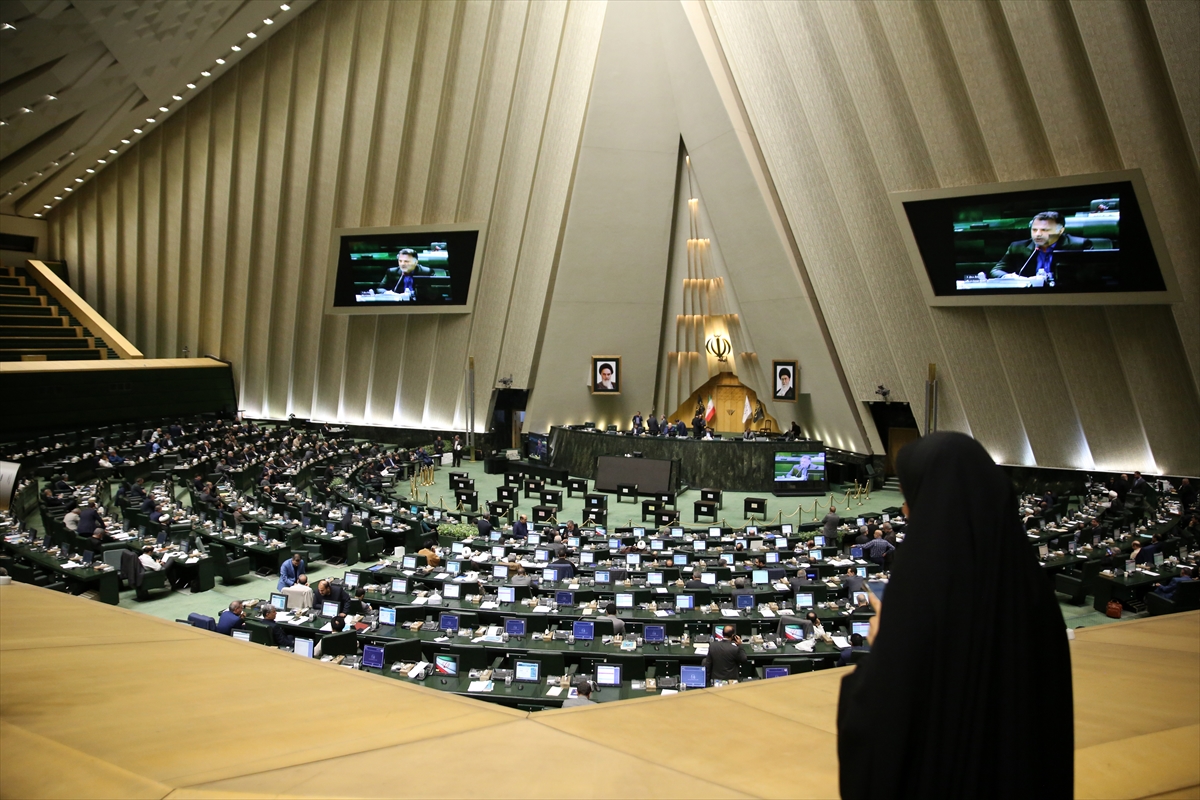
x=554, y=691
x=766, y=612
x=420, y=601
x=702, y=649
x=191, y=560
x=488, y=605
x=661, y=613
x=730, y=612
x=541, y=609
x=480, y=686
x=841, y=642
x=327, y=627
x=806, y=646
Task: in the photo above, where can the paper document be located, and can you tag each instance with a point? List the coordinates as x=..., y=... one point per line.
x=554, y=691
x=729, y=612
x=841, y=642
x=661, y=613
x=327, y=627
x=665, y=692
x=766, y=612
x=480, y=686
x=541, y=610
x=488, y=605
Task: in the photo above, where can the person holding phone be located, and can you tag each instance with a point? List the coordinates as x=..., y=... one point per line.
x=725, y=656
x=960, y=718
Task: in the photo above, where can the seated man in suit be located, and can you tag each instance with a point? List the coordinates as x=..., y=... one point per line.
x=725, y=656
x=853, y=582
x=521, y=527
x=332, y=593
x=299, y=594
x=279, y=637
x=399, y=279
x=695, y=582
x=1035, y=255
x=610, y=613
x=857, y=643
x=563, y=567
x=232, y=618
x=800, y=581
x=1167, y=590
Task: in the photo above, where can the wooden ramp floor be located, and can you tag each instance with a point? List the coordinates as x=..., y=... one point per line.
x=97, y=701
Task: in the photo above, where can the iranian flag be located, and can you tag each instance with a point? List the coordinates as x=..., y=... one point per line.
x=710, y=411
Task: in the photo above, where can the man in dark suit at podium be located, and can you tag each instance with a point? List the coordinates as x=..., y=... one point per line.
x=1027, y=258
x=399, y=278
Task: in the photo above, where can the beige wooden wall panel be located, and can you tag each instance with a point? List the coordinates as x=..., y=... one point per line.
x=850, y=101
x=1177, y=28
x=213, y=230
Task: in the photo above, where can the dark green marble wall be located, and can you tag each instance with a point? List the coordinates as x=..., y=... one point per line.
x=729, y=464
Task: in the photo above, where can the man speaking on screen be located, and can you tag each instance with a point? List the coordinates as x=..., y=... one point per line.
x=800, y=471
x=399, y=279
x=1035, y=256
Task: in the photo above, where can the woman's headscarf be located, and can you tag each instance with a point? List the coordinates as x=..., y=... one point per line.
x=967, y=689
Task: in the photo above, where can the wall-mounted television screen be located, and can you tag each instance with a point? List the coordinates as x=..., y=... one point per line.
x=423, y=269
x=538, y=447
x=1082, y=240
x=799, y=467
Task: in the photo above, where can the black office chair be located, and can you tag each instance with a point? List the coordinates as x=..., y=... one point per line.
x=202, y=622
x=1078, y=585
x=408, y=650
x=633, y=666
x=470, y=656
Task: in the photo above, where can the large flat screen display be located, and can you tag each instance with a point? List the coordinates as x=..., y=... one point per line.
x=1087, y=239
x=423, y=269
x=799, y=468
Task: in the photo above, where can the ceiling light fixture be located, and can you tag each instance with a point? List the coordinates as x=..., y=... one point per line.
x=268, y=21
x=176, y=97
x=205, y=74
x=236, y=49
x=150, y=120
x=89, y=171
x=191, y=86
x=163, y=109
x=135, y=130
x=69, y=189
x=8, y=26
x=58, y=197
x=79, y=180
x=51, y=97
x=251, y=35
x=101, y=161
x=220, y=61
x=26, y=109
x=124, y=141
x=114, y=152
x=37, y=215
x=47, y=205
x=285, y=7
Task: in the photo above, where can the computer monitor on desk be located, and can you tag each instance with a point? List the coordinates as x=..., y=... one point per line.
x=654, y=578
x=861, y=628
x=759, y=577
x=500, y=571
x=303, y=647
x=856, y=552
x=372, y=657
x=527, y=672
x=279, y=601
x=387, y=616
x=776, y=672
x=399, y=585
x=564, y=598
x=448, y=622
x=549, y=575
x=583, y=630
x=708, y=578
x=608, y=674
x=654, y=634
x=624, y=600
x=587, y=557
x=745, y=600
x=445, y=664
x=329, y=609
x=507, y=594
x=514, y=626
x=693, y=677
x=451, y=591
x=242, y=635
x=350, y=579
x=603, y=576
x=819, y=540
x=684, y=602
x=804, y=600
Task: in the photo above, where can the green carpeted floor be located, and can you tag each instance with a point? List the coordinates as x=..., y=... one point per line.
x=177, y=605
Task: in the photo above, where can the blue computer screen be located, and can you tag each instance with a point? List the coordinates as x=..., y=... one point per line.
x=387, y=616
x=745, y=601
x=514, y=627
x=693, y=677
x=448, y=622
x=372, y=657
x=775, y=672
x=564, y=598
x=584, y=630
x=654, y=634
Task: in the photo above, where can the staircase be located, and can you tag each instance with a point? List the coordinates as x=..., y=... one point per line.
x=892, y=484
x=35, y=327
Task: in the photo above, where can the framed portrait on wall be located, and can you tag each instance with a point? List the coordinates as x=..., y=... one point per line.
x=606, y=374
x=785, y=376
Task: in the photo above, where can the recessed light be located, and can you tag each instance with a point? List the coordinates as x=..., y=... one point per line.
x=71, y=153
x=124, y=141
x=26, y=109
x=37, y=215
x=268, y=21
x=150, y=120
x=205, y=74
x=285, y=7
x=8, y=26
x=137, y=130
x=47, y=205
x=236, y=49
x=79, y=180
x=163, y=109
x=69, y=189
x=220, y=61
x=54, y=163
x=191, y=86
x=51, y=97
x=251, y=35
x=2, y=122
x=90, y=171
x=101, y=161
x=58, y=197
x=114, y=152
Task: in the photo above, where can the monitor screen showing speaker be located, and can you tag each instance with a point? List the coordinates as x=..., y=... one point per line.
x=1090, y=239
x=423, y=269
x=800, y=467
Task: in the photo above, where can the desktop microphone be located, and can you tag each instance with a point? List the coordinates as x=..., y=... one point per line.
x=1026, y=264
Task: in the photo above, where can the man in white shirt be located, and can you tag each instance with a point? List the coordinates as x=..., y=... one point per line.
x=71, y=519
